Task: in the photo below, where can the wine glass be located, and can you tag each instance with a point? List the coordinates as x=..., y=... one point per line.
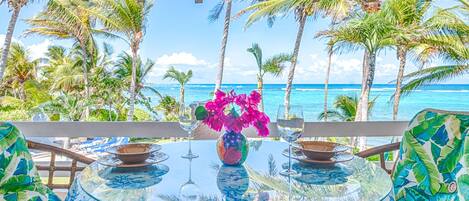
x=290, y=124
x=189, y=190
x=189, y=123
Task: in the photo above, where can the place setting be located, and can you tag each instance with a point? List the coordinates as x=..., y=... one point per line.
x=319, y=162
x=319, y=153
x=133, y=166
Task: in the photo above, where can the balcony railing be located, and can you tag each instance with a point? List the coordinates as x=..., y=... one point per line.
x=172, y=129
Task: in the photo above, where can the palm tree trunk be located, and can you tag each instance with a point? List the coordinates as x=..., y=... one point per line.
x=224, y=41
x=358, y=114
x=368, y=84
x=291, y=73
x=7, y=42
x=365, y=94
x=21, y=92
x=133, y=82
x=85, y=79
x=326, y=82
x=110, y=111
x=260, y=87
x=401, y=55
x=181, y=95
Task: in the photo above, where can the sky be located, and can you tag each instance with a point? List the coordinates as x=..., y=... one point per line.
x=179, y=34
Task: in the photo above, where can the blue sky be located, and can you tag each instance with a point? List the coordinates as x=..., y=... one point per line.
x=179, y=33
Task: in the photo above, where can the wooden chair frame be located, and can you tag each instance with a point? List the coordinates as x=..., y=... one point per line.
x=51, y=168
x=380, y=150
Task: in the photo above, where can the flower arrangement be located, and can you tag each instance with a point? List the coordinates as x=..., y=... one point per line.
x=234, y=112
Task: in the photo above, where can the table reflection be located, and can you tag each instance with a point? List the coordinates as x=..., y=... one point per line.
x=233, y=182
x=133, y=178
x=189, y=190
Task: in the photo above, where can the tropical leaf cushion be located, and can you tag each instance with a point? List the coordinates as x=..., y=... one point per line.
x=19, y=179
x=433, y=162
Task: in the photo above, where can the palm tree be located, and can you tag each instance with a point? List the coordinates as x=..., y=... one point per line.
x=345, y=108
x=369, y=32
x=68, y=19
x=425, y=37
x=127, y=18
x=64, y=71
x=19, y=70
x=214, y=15
x=326, y=81
x=169, y=106
x=125, y=65
x=15, y=6
x=181, y=77
x=337, y=9
x=273, y=65
x=411, y=28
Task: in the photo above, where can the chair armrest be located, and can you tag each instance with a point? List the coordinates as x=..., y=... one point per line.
x=380, y=150
x=51, y=168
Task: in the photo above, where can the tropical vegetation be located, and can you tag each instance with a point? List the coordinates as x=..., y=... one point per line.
x=15, y=8
x=449, y=45
x=181, y=77
x=336, y=9
x=273, y=65
x=88, y=81
x=345, y=109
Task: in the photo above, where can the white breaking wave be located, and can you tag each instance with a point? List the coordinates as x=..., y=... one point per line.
x=448, y=91
x=382, y=89
x=301, y=89
x=350, y=89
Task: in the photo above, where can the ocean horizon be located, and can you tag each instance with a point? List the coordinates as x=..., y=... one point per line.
x=311, y=97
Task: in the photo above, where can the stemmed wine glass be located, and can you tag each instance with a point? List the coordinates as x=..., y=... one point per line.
x=290, y=124
x=189, y=123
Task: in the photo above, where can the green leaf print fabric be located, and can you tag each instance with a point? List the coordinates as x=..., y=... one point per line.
x=19, y=179
x=433, y=161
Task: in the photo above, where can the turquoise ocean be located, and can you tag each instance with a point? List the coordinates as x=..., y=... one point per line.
x=311, y=97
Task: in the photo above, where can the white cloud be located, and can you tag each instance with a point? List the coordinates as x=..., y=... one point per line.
x=2, y=39
x=181, y=58
x=39, y=50
x=36, y=50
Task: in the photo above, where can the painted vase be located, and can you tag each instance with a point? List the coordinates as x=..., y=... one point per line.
x=232, y=148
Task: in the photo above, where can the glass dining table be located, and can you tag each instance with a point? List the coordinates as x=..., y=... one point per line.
x=205, y=178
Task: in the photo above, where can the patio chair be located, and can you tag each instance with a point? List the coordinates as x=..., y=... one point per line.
x=19, y=176
x=433, y=161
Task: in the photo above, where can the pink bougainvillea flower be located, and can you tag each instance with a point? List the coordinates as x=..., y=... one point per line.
x=234, y=124
x=254, y=98
x=241, y=100
x=232, y=156
x=219, y=94
x=214, y=122
x=220, y=116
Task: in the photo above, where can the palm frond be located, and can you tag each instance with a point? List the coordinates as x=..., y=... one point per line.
x=276, y=64
x=256, y=51
x=216, y=11
x=432, y=75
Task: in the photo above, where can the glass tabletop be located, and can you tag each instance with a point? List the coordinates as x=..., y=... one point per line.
x=204, y=178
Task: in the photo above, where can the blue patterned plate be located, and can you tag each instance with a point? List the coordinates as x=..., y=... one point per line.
x=113, y=161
